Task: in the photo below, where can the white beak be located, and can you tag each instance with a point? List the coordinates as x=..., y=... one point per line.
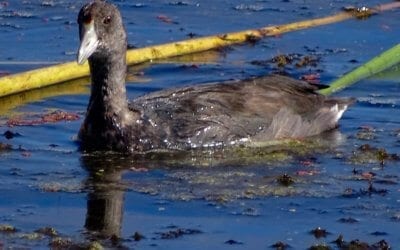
x=89, y=42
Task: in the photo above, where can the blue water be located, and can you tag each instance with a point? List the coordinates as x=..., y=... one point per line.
x=46, y=181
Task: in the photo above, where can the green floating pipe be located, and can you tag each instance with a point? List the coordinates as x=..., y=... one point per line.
x=387, y=59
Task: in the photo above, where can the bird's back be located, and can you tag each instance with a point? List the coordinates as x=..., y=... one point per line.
x=239, y=112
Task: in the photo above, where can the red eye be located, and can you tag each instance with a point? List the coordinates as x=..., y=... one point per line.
x=87, y=18
x=107, y=20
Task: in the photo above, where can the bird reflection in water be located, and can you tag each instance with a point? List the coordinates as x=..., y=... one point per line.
x=105, y=198
x=105, y=184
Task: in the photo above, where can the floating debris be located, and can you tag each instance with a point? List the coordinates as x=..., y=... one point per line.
x=293, y=60
x=61, y=243
x=248, y=212
x=319, y=232
x=340, y=241
x=319, y=247
x=336, y=50
x=396, y=217
x=381, y=245
x=367, y=154
x=9, y=134
x=252, y=39
x=357, y=244
x=359, y=12
x=233, y=242
x=306, y=61
x=378, y=233
x=348, y=220
x=280, y=245
x=351, y=193
x=52, y=117
x=31, y=236
x=67, y=186
x=5, y=147
x=366, y=133
x=372, y=190
x=48, y=231
x=191, y=35
x=166, y=19
x=95, y=245
x=138, y=236
x=285, y=180
x=179, y=3
x=311, y=78
x=283, y=60
x=5, y=228
x=179, y=232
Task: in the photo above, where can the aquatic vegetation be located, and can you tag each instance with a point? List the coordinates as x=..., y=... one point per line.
x=178, y=232
x=349, y=220
x=319, y=232
x=138, y=236
x=68, y=71
x=94, y=245
x=292, y=61
x=44, y=176
x=320, y=247
x=38, y=119
x=233, y=242
x=48, y=231
x=281, y=245
x=357, y=244
x=285, y=180
x=4, y=147
x=359, y=12
x=366, y=133
x=367, y=154
x=5, y=228
x=32, y=236
x=61, y=243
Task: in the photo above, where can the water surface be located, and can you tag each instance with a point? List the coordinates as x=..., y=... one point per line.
x=345, y=182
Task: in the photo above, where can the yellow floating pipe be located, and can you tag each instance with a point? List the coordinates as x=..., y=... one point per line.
x=74, y=87
x=68, y=71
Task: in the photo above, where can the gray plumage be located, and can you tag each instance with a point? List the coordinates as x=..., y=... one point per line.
x=208, y=115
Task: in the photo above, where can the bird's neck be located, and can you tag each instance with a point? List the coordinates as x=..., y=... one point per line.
x=108, y=98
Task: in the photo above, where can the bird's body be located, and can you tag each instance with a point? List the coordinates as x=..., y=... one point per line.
x=205, y=115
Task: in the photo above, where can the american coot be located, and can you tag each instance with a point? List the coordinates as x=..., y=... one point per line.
x=207, y=115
